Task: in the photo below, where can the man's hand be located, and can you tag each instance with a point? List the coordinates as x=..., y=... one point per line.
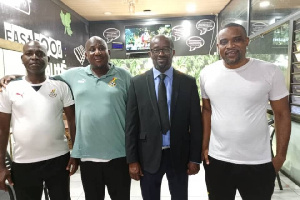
x=5, y=175
x=278, y=162
x=5, y=80
x=135, y=171
x=204, y=156
x=72, y=165
x=193, y=168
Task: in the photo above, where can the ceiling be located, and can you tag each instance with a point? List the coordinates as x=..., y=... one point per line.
x=93, y=10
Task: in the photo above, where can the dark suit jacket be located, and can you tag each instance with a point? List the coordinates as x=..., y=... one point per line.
x=143, y=130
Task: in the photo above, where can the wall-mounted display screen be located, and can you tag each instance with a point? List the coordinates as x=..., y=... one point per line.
x=117, y=45
x=138, y=37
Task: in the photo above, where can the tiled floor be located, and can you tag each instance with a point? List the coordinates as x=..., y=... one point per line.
x=197, y=189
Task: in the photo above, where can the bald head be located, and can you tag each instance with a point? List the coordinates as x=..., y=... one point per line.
x=162, y=38
x=94, y=39
x=97, y=53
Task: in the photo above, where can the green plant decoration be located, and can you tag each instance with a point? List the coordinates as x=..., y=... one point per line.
x=66, y=21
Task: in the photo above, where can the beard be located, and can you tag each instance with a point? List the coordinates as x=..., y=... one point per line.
x=162, y=66
x=234, y=61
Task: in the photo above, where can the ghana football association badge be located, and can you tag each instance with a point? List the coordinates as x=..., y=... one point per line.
x=53, y=93
x=113, y=82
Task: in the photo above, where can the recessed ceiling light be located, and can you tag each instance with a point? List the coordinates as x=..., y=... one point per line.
x=264, y=4
x=145, y=12
x=107, y=13
x=238, y=22
x=190, y=7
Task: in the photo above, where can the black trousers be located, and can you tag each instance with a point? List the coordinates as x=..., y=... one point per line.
x=254, y=182
x=114, y=174
x=178, y=181
x=28, y=179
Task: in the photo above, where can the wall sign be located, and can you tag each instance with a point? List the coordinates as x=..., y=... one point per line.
x=20, y=5
x=195, y=42
x=80, y=54
x=205, y=25
x=22, y=35
x=111, y=34
x=66, y=21
x=178, y=32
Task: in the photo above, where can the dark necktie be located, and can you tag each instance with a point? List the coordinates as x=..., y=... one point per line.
x=162, y=105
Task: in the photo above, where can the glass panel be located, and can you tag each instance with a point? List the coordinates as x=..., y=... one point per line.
x=264, y=13
x=297, y=35
x=295, y=109
x=295, y=89
x=272, y=47
x=235, y=12
x=295, y=99
x=295, y=71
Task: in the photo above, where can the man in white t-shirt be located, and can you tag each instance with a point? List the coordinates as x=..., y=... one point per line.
x=34, y=105
x=236, y=143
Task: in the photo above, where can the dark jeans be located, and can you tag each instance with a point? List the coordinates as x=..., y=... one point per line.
x=178, y=181
x=254, y=182
x=28, y=179
x=114, y=174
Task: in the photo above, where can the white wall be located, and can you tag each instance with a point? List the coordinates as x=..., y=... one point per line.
x=13, y=63
x=1, y=63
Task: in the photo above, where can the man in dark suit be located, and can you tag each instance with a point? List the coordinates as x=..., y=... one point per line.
x=155, y=146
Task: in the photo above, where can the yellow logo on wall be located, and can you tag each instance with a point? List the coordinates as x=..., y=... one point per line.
x=113, y=82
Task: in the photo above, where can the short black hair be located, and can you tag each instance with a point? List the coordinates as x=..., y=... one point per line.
x=235, y=25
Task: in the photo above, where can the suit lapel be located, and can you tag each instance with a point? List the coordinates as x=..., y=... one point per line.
x=151, y=92
x=175, y=91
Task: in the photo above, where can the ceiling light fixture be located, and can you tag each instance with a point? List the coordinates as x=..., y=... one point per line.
x=131, y=7
x=264, y=4
x=190, y=7
x=131, y=4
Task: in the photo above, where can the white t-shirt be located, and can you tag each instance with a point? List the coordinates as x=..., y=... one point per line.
x=36, y=118
x=239, y=99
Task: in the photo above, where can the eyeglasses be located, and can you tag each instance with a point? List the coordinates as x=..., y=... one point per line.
x=164, y=50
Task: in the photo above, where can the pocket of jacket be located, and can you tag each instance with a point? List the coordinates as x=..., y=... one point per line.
x=143, y=135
